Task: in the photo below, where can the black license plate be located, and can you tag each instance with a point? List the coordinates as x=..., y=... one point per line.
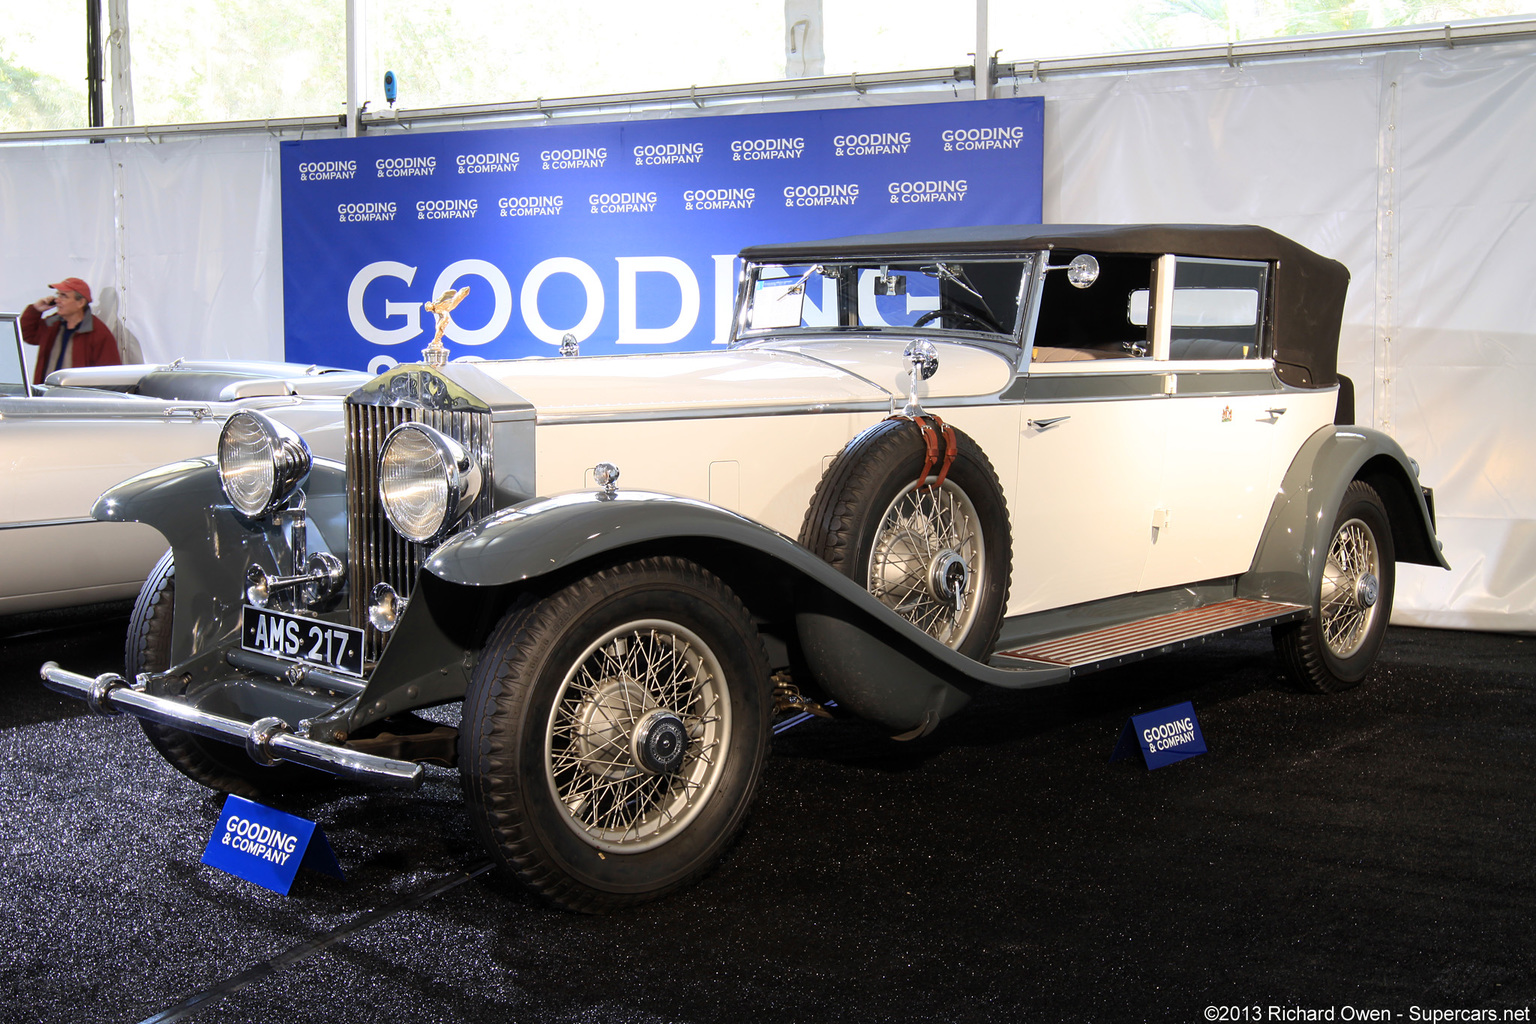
x=297, y=638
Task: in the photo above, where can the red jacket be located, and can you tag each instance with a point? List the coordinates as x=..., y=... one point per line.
x=92, y=344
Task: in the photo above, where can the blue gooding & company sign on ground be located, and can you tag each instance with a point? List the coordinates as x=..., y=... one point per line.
x=266, y=846
x=1163, y=736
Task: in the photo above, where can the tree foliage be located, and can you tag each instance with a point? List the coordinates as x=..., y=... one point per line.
x=32, y=101
x=218, y=60
x=1196, y=22
x=228, y=60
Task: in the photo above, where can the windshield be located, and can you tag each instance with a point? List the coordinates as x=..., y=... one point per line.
x=969, y=295
x=13, y=367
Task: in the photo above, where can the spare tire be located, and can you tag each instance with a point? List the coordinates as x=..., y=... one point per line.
x=939, y=554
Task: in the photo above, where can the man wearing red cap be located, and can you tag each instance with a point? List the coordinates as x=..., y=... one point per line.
x=70, y=336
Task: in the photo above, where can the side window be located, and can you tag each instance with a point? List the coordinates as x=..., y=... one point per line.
x=1078, y=323
x=1219, y=309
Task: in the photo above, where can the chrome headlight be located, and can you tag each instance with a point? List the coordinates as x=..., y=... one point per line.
x=427, y=481
x=261, y=462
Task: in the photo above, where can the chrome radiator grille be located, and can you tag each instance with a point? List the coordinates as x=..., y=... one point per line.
x=375, y=552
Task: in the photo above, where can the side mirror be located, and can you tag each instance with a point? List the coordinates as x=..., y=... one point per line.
x=1082, y=271
x=922, y=359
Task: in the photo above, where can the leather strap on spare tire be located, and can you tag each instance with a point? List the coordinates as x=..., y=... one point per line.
x=911, y=510
x=933, y=429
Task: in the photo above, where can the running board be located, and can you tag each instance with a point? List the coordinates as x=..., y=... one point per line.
x=1116, y=645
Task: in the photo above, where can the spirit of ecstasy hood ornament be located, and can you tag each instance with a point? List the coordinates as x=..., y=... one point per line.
x=436, y=354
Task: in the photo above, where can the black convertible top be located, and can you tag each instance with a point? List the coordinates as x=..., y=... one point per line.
x=1309, y=289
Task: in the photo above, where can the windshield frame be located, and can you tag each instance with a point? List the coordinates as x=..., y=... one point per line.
x=14, y=357
x=1009, y=344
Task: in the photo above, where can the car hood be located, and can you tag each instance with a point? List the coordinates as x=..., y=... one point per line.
x=766, y=376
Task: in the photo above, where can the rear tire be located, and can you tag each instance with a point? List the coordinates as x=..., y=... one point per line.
x=1336, y=645
x=219, y=766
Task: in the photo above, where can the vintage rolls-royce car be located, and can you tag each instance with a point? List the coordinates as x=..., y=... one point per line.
x=64, y=442
x=926, y=463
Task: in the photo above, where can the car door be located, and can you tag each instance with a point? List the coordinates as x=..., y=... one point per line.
x=1222, y=413
x=1091, y=439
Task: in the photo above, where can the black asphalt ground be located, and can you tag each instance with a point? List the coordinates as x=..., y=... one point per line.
x=1339, y=855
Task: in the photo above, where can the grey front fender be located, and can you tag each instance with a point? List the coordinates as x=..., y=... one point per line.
x=212, y=545
x=873, y=662
x=1291, y=554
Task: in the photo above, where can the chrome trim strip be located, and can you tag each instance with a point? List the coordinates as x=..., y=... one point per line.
x=1161, y=315
x=1145, y=384
x=110, y=694
x=1029, y=309
x=1025, y=388
x=54, y=404
x=46, y=522
x=1228, y=382
x=550, y=419
x=1087, y=387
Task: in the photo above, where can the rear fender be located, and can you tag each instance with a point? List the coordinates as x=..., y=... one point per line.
x=1294, y=547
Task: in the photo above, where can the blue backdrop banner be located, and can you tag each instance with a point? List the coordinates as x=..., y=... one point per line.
x=622, y=234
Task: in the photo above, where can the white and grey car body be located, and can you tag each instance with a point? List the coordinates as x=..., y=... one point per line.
x=65, y=442
x=1169, y=466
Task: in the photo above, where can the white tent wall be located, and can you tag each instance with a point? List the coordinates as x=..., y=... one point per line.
x=202, y=251
x=1413, y=168
x=55, y=222
x=180, y=241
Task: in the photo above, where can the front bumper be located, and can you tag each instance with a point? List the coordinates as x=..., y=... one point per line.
x=267, y=740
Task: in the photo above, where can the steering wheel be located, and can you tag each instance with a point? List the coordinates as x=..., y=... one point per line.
x=976, y=320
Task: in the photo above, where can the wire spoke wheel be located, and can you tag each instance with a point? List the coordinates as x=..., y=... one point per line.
x=1349, y=589
x=637, y=734
x=927, y=561
x=615, y=731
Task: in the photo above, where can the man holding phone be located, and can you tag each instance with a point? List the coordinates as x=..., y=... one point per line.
x=65, y=332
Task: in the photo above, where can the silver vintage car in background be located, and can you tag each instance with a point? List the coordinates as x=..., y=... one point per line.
x=927, y=462
x=64, y=442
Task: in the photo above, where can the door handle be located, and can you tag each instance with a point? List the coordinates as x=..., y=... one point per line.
x=1047, y=424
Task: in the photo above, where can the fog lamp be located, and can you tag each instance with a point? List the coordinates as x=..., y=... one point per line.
x=384, y=607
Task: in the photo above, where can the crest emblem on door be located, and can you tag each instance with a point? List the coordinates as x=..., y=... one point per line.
x=1226, y=414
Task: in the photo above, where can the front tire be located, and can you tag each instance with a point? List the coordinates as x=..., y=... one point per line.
x=1336, y=645
x=614, y=734
x=219, y=766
